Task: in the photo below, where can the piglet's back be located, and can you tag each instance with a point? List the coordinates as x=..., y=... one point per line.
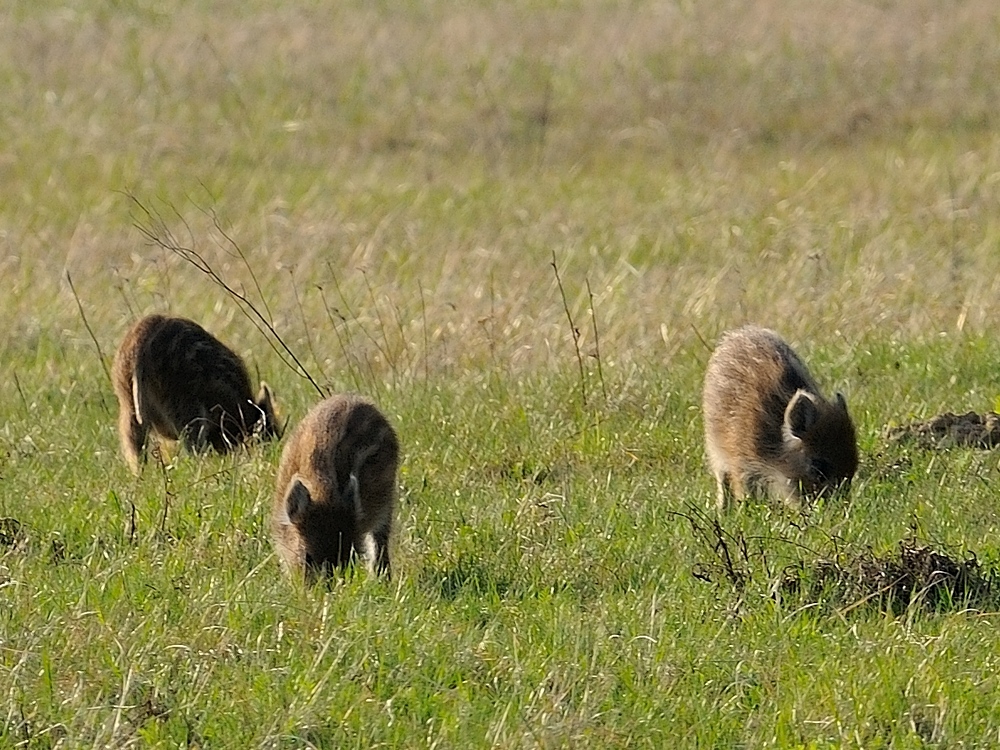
x=326, y=443
x=752, y=375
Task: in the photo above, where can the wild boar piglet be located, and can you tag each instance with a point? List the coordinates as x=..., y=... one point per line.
x=174, y=378
x=767, y=427
x=335, y=495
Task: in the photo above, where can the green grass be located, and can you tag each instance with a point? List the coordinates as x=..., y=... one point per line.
x=544, y=590
x=398, y=178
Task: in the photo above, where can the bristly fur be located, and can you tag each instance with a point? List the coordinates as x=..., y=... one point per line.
x=335, y=494
x=767, y=427
x=173, y=377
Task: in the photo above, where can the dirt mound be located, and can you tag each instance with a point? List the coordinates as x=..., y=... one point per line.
x=893, y=581
x=949, y=430
x=841, y=579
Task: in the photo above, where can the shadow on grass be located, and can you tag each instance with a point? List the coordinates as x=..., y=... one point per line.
x=465, y=576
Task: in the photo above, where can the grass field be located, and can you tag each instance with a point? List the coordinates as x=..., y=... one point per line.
x=389, y=185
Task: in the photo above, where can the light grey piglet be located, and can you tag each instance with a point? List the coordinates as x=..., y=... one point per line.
x=767, y=427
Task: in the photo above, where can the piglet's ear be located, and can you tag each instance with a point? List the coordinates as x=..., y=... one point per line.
x=801, y=414
x=841, y=402
x=297, y=501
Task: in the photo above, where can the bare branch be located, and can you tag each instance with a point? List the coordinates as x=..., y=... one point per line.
x=333, y=315
x=239, y=251
x=157, y=233
x=597, y=343
x=573, y=330
x=423, y=315
x=305, y=323
x=83, y=316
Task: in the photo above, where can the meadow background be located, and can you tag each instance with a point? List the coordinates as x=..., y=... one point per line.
x=389, y=184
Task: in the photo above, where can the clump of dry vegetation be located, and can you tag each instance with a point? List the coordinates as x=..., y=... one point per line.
x=911, y=575
x=842, y=578
x=11, y=533
x=949, y=430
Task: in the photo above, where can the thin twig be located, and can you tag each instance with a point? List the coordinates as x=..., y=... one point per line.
x=305, y=325
x=573, y=330
x=381, y=324
x=368, y=334
x=167, y=493
x=24, y=401
x=333, y=315
x=164, y=291
x=120, y=288
x=735, y=567
x=246, y=264
x=86, y=324
x=403, y=348
x=700, y=337
x=83, y=316
x=371, y=374
x=354, y=317
x=597, y=342
x=423, y=316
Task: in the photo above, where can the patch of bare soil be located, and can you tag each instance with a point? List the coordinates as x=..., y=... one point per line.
x=949, y=430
